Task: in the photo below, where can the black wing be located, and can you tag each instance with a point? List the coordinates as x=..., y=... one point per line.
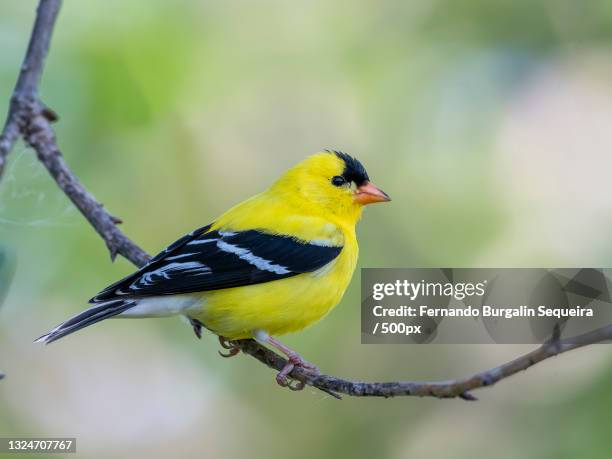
x=211, y=260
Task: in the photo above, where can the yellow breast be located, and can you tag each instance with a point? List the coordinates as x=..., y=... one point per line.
x=280, y=306
x=289, y=304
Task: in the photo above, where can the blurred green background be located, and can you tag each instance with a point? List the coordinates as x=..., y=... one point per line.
x=488, y=122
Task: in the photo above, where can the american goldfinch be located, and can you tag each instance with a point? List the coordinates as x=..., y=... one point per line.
x=271, y=265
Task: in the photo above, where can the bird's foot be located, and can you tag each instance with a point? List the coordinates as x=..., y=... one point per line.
x=226, y=344
x=197, y=327
x=295, y=360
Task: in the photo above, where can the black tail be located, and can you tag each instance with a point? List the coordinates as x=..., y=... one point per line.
x=88, y=317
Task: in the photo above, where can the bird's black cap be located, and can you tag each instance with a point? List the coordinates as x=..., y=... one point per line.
x=353, y=169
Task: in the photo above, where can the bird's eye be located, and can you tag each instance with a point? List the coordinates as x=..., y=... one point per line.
x=338, y=180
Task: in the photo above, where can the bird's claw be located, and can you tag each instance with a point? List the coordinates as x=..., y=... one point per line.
x=298, y=361
x=296, y=385
x=226, y=344
x=294, y=360
x=230, y=353
x=291, y=384
x=197, y=327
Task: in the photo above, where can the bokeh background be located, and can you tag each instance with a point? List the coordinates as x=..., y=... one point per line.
x=488, y=122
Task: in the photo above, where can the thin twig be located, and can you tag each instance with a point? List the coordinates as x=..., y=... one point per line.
x=31, y=119
x=25, y=95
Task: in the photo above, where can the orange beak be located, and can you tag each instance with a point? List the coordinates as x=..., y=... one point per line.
x=369, y=194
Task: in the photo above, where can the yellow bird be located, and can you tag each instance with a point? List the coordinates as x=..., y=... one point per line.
x=271, y=265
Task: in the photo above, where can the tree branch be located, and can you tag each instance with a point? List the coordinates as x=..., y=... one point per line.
x=460, y=388
x=29, y=118
x=24, y=100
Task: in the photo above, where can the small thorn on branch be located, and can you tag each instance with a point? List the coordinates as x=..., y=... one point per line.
x=468, y=396
x=336, y=395
x=49, y=114
x=112, y=250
